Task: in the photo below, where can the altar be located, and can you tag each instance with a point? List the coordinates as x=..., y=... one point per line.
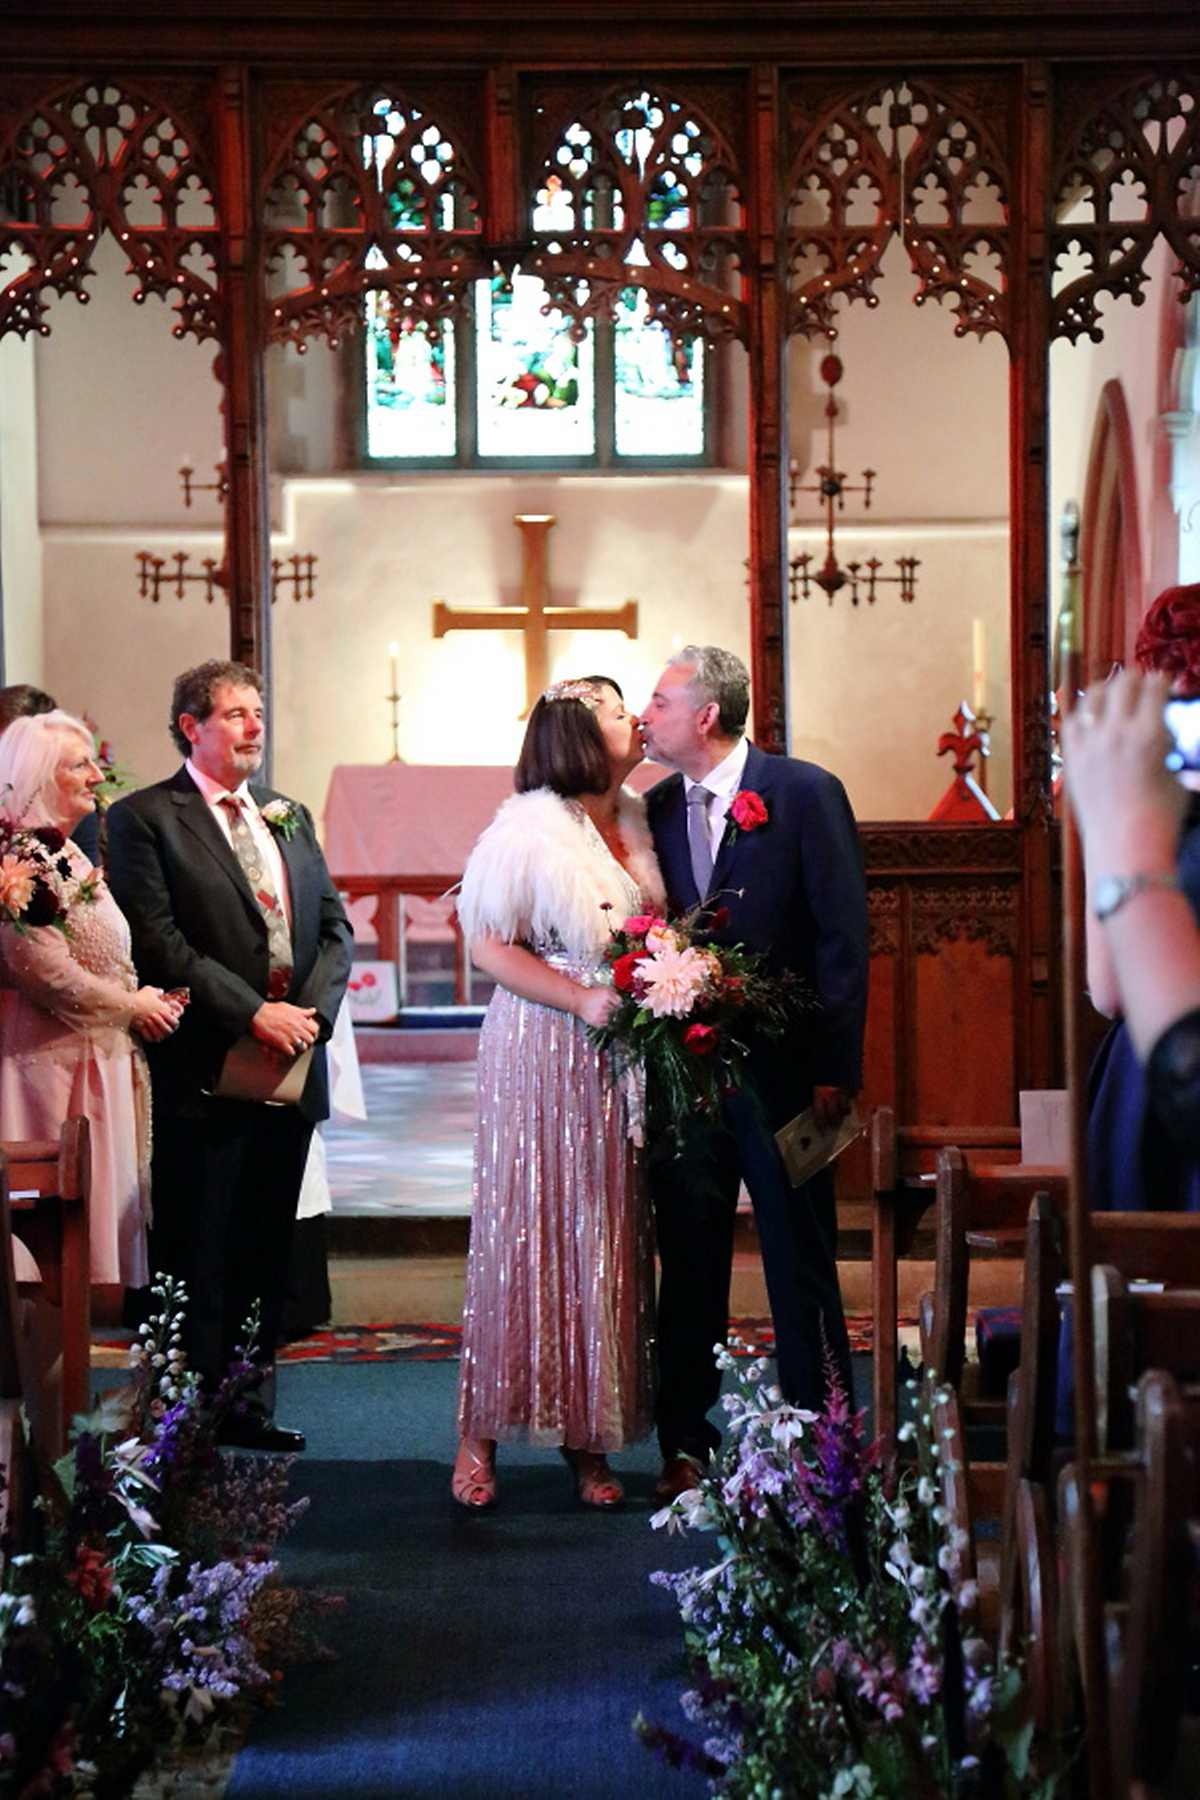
x=397, y=837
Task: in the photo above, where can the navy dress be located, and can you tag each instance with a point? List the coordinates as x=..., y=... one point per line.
x=1132, y=1163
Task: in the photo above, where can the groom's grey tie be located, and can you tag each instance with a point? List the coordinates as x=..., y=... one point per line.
x=700, y=838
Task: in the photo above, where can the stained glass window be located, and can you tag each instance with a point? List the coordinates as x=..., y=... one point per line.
x=532, y=389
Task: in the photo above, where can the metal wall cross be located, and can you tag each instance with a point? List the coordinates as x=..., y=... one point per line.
x=535, y=617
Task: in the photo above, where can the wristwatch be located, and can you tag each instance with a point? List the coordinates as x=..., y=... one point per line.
x=1112, y=891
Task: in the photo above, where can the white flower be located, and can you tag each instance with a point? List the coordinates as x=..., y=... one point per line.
x=661, y=937
x=673, y=981
x=283, y=816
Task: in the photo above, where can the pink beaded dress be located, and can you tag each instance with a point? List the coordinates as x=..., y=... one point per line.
x=65, y=1049
x=558, y=1309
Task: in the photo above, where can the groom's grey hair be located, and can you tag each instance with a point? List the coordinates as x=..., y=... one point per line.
x=720, y=676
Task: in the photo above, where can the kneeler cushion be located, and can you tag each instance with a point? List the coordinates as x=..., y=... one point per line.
x=998, y=1346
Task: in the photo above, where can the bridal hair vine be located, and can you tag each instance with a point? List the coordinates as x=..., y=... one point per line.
x=586, y=691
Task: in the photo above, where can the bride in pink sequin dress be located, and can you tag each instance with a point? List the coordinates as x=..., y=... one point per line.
x=559, y=1295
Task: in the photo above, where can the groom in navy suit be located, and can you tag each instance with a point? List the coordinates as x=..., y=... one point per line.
x=227, y=896
x=784, y=866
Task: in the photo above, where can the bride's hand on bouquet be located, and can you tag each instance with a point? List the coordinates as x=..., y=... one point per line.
x=595, y=1004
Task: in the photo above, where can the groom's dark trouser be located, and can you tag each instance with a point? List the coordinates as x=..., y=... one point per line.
x=695, y=1198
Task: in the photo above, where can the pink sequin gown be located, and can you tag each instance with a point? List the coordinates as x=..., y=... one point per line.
x=558, y=1309
x=65, y=1049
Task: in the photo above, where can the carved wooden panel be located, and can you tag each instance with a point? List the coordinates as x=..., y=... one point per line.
x=649, y=189
x=99, y=155
x=371, y=189
x=1123, y=172
x=904, y=156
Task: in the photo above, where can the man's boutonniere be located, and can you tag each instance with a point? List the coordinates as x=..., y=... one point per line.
x=747, y=811
x=283, y=816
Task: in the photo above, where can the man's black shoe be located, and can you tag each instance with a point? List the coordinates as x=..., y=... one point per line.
x=253, y=1431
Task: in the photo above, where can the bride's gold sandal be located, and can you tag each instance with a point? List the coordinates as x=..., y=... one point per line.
x=473, y=1482
x=595, y=1483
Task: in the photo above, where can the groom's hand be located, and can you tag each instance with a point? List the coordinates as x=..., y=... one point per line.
x=830, y=1105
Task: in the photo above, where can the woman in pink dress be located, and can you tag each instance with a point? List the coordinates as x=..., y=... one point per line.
x=559, y=1294
x=69, y=998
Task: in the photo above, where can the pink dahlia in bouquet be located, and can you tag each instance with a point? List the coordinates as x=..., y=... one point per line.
x=687, y=1013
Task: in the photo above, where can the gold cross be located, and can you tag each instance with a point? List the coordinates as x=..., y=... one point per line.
x=534, y=616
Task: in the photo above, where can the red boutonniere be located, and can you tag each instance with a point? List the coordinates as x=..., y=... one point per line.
x=747, y=811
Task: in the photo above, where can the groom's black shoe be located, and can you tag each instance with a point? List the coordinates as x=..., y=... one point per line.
x=254, y=1431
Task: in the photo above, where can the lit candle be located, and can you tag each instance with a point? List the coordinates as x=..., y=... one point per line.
x=979, y=664
x=393, y=652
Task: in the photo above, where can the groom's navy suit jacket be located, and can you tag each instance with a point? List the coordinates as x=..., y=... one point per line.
x=195, y=924
x=793, y=890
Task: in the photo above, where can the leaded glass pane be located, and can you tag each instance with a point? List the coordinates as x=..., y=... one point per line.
x=410, y=385
x=535, y=386
x=657, y=414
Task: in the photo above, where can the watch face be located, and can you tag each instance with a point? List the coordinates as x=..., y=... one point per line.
x=1109, y=894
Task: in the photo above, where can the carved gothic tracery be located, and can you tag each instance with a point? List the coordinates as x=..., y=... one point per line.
x=102, y=156
x=638, y=189
x=372, y=194
x=902, y=159
x=1126, y=173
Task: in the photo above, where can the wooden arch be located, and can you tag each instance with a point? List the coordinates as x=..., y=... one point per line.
x=1113, y=589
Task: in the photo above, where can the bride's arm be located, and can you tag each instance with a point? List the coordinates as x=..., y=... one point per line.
x=527, y=976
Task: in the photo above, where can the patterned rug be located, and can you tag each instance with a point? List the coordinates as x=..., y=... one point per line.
x=431, y=1343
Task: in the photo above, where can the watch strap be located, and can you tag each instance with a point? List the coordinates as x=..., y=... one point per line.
x=1112, y=891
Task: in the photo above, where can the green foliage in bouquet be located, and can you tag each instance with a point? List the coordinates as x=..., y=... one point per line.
x=686, y=1015
x=153, y=1612
x=831, y=1657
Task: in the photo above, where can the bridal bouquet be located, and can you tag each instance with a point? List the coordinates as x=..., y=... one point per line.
x=36, y=883
x=686, y=1012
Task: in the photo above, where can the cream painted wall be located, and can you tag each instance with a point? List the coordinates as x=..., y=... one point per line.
x=388, y=546
x=20, y=543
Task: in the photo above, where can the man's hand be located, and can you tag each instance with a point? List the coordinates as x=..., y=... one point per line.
x=831, y=1105
x=286, y=1028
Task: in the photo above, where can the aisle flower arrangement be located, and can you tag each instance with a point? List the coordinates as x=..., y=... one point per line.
x=153, y=1612
x=831, y=1657
x=686, y=1013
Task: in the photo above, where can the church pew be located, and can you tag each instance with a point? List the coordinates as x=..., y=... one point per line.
x=1028, y=1572
x=48, y=1196
x=901, y=1158
x=16, y=1455
x=980, y=1209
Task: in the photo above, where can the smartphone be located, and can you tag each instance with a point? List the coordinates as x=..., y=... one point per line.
x=1182, y=718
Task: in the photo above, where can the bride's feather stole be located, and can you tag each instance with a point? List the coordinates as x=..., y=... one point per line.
x=541, y=870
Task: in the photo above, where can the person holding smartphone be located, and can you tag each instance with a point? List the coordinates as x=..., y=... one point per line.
x=1134, y=786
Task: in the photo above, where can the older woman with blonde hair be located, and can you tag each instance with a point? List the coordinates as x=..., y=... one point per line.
x=70, y=1005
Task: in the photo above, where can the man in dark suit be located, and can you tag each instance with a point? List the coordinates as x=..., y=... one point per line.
x=784, y=866
x=228, y=896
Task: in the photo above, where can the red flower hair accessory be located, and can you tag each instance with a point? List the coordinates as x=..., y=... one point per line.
x=1169, y=640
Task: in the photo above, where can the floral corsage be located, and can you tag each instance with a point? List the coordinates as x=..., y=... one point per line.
x=37, y=884
x=283, y=816
x=747, y=811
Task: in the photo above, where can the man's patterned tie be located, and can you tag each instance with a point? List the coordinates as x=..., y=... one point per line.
x=254, y=867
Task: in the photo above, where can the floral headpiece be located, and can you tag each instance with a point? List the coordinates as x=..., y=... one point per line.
x=587, y=691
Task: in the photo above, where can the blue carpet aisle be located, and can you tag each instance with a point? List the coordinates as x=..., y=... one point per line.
x=492, y=1657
